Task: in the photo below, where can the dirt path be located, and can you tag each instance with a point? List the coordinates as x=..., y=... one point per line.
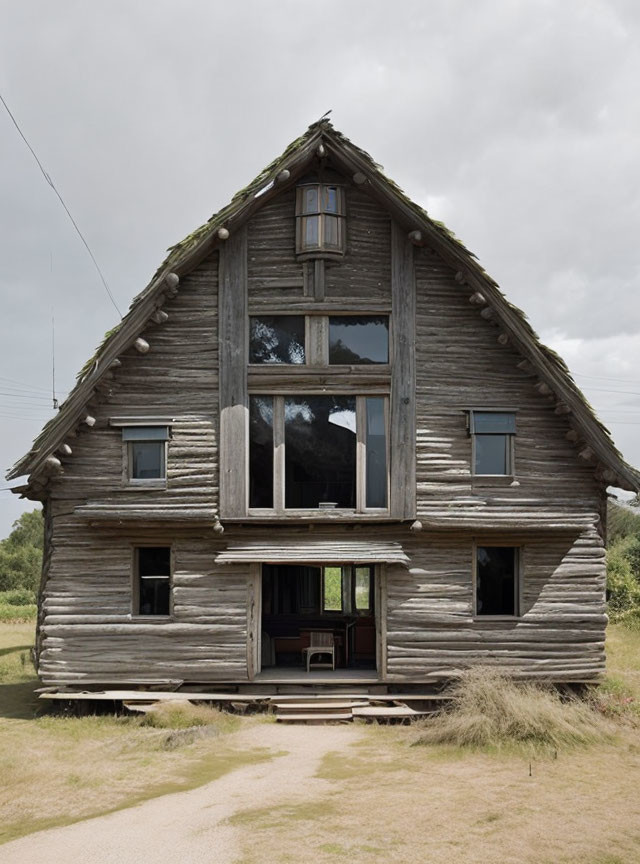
x=191, y=827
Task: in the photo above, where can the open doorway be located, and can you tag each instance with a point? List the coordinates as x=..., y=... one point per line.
x=332, y=605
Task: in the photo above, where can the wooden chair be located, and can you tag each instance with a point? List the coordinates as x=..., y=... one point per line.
x=321, y=643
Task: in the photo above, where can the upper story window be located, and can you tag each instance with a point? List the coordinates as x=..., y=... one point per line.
x=322, y=453
x=492, y=435
x=277, y=339
x=320, y=218
x=146, y=452
x=358, y=339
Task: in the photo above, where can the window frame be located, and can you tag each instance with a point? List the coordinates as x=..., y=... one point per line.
x=510, y=444
x=360, y=510
x=135, y=581
x=518, y=567
x=123, y=423
x=317, y=343
x=320, y=251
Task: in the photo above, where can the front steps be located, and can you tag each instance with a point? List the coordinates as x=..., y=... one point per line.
x=327, y=709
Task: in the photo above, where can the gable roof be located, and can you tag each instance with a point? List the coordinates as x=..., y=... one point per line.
x=554, y=377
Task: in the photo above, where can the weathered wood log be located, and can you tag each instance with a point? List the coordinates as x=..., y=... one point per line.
x=160, y=316
x=52, y=464
x=141, y=345
x=543, y=388
x=562, y=409
x=321, y=151
x=487, y=313
x=416, y=525
x=586, y=453
x=477, y=299
x=223, y=233
x=460, y=277
x=283, y=176
x=172, y=280
x=65, y=450
x=115, y=363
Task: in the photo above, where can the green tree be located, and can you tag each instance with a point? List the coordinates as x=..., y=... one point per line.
x=21, y=553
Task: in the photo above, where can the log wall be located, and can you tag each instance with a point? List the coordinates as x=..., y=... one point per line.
x=88, y=633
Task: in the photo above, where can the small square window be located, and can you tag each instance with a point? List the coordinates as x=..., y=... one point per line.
x=358, y=339
x=497, y=581
x=492, y=435
x=146, y=451
x=153, y=580
x=277, y=339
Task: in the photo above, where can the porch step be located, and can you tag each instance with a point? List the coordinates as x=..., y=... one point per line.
x=315, y=707
x=315, y=717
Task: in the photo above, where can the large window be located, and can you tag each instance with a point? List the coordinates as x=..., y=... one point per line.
x=146, y=452
x=497, y=581
x=318, y=453
x=320, y=218
x=358, y=339
x=152, y=588
x=492, y=435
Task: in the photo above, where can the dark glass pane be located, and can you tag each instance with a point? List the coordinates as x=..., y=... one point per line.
x=331, y=199
x=491, y=454
x=277, y=339
x=376, y=453
x=359, y=339
x=260, y=451
x=332, y=599
x=362, y=589
x=330, y=231
x=496, y=580
x=147, y=460
x=493, y=422
x=310, y=200
x=154, y=596
x=320, y=451
x=154, y=561
x=310, y=231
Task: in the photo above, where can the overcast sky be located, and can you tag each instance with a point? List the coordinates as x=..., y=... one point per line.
x=517, y=123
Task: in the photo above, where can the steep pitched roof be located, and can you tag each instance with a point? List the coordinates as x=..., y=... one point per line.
x=554, y=377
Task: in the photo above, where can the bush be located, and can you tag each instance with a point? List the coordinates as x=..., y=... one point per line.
x=489, y=709
x=21, y=553
x=18, y=597
x=622, y=584
x=181, y=714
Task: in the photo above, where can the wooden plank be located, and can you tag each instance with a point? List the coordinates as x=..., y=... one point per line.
x=403, y=377
x=234, y=400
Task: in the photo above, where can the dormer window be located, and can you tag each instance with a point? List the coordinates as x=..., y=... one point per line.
x=320, y=218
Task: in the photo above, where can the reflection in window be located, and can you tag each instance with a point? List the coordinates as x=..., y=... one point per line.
x=261, y=451
x=277, y=339
x=496, y=580
x=493, y=433
x=376, y=453
x=153, y=574
x=358, y=339
x=363, y=579
x=320, y=452
x=147, y=451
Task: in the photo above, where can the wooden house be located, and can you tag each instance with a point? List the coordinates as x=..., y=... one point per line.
x=321, y=446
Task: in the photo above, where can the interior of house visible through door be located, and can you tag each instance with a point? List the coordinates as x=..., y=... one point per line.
x=299, y=601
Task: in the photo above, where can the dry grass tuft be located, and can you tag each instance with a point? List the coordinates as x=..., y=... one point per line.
x=186, y=715
x=491, y=710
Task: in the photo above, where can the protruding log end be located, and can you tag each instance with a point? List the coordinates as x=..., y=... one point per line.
x=586, y=453
x=160, y=316
x=223, y=233
x=52, y=463
x=477, y=299
x=359, y=178
x=115, y=364
x=415, y=237
x=283, y=176
x=561, y=408
x=89, y=420
x=543, y=388
x=503, y=339
x=65, y=450
x=172, y=280
x=416, y=526
x=487, y=313
x=141, y=345
x=459, y=277
x=572, y=435
x=218, y=527
x=321, y=152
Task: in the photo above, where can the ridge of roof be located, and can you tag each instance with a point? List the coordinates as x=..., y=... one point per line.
x=182, y=257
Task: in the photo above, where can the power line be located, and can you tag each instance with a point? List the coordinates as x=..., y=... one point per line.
x=60, y=198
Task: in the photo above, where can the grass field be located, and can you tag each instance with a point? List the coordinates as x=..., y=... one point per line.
x=384, y=800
